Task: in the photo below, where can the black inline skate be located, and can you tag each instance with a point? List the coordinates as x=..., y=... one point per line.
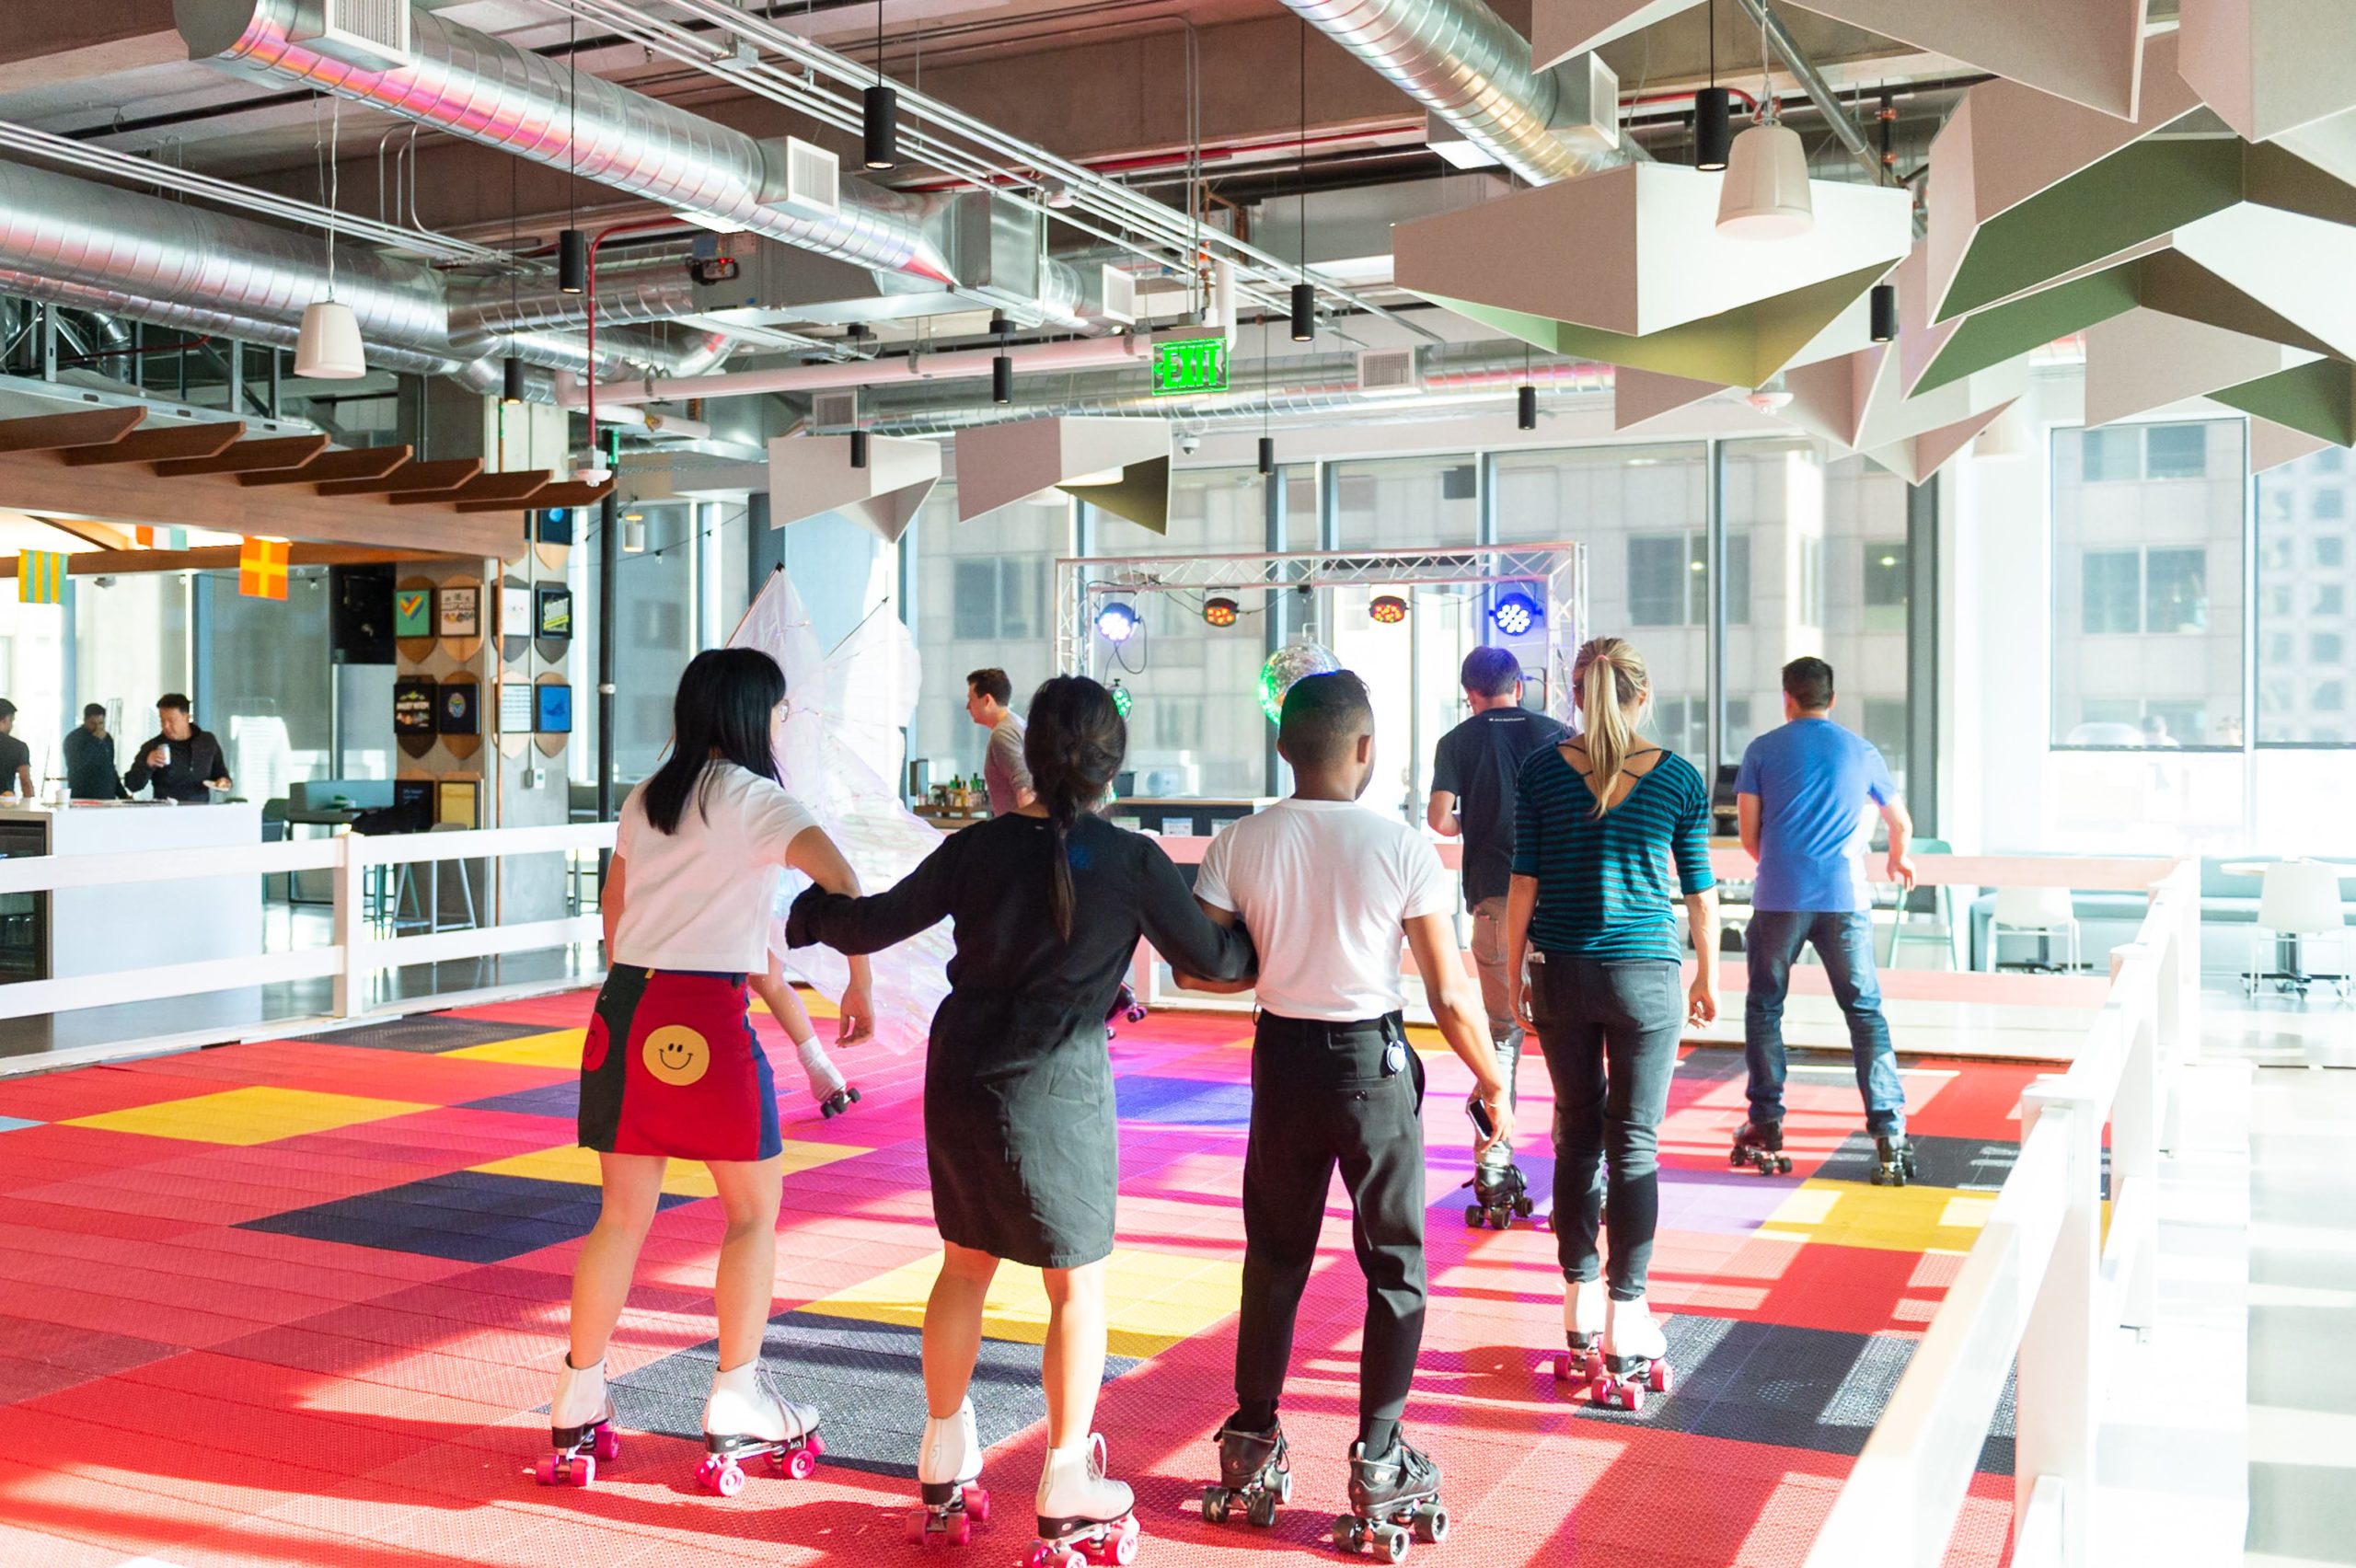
x=1391, y=1498
x=1497, y=1196
x=1894, y=1162
x=1125, y=1008
x=1760, y=1145
x=1256, y=1469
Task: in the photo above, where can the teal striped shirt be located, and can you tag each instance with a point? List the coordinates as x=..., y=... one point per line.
x=1603, y=882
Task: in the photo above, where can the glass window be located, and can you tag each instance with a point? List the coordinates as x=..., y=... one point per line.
x=2148, y=634
x=1886, y=586
x=2303, y=655
x=2114, y=453
x=1811, y=605
x=2176, y=451
x=266, y=679
x=1657, y=573
x=1409, y=502
x=1738, y=578
x=2113, y=580
x=982, y=592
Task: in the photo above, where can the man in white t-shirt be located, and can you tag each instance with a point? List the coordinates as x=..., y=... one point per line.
x=1328, y=888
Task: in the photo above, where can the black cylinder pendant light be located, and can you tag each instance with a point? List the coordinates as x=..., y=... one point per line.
x=511, y=380
x=1001, y=368
x=881, y=126
x=859, y=449
x=1885, y=312
x=1525, y=405
x=1267, y=455
x=1713, y=128
x=1304, y=313
x=572, y=261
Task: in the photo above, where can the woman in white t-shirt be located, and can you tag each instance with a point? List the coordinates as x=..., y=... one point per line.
x=671, y=1068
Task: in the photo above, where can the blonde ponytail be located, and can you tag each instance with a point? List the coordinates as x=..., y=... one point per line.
x=1610, y=678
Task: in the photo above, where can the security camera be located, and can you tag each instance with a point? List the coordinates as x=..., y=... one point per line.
x=1190, y=443
x=103, y=582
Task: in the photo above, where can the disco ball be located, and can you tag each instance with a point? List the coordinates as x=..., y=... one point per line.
x=1285, y=666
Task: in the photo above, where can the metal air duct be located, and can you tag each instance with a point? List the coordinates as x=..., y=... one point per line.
x=1462, y=61
x=471, y=84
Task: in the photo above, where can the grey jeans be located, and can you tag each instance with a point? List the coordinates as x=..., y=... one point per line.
x=1490, y=962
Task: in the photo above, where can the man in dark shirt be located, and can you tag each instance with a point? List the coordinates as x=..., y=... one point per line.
x=1472, y=795
x=89, y=758
x=15, y=757
x=183, y=763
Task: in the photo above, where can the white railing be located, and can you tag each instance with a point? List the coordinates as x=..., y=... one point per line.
x=350, y=960
x=2047, y=1285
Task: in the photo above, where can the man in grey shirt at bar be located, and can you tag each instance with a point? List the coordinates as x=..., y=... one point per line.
x=1004, y=773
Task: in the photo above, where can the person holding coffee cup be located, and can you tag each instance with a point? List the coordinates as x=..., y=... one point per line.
x=183, y=763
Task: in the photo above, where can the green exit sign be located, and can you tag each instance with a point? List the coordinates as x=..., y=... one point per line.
x=1189, y=365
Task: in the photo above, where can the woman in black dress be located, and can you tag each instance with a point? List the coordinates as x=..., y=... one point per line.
x=1020, y=1136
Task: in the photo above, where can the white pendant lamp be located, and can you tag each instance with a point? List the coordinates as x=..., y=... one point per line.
x=329, y=349
x=1766, y=194
x=329, y=346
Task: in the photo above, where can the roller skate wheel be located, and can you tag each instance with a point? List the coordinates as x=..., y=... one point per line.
x=802, y=1463
x=1215, y=1506
x=1390, y=1543
x=545, y=1472
x=724, y=1477
x=1502, y=1218
x=1567, y=1371
x=1657, y=1377
x=960, y=1529
x=1349, y=1531
x=584, y=1471
x=977, y=1504
x=1262, y=1510
x=1283, y=1486
x=913, y=1531
x=1124, y=1544
x=1431, y=1524
x=608, y=1444
x=827, y=1110
x=1525, y=1207
x=1472, y=1216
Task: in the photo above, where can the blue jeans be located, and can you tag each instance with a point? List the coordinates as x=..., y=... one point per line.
x=1846, y=942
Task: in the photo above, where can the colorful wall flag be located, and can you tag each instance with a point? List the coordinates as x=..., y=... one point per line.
x=159, y=538
x=40, y=577
x=261, y=568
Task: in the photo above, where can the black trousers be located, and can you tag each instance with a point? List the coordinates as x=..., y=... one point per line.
x=1320, y=1098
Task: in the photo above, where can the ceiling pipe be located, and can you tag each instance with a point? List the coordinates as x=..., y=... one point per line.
x=970, y=365
x=1460, y=61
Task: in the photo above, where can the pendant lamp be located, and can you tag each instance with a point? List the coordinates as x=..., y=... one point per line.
x=511, y=377
x=1885, y=312
x=1304, y=313
x=1526, y=408
x=879, y=112
x=1765, y=195
x=859, y=449
x=328, y=348
x=1713, y=111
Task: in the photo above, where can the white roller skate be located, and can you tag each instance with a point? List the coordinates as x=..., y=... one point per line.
x=1584, y=1310
x=949, y=1468
x=1635, y=1356
x=744, y=1419
x=834, y=1094
x=580, y=1426
x=1083, y=1517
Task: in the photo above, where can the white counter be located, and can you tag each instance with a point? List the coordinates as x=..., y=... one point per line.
x=93, y=930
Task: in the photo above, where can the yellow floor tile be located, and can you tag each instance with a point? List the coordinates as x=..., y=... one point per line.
x=1145, y=1312
x=248, y=1116
x=1897, y=1220
x=557, y=1048
x=684, y=1178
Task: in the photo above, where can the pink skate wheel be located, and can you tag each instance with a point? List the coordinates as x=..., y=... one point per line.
x=914, y=1529
x=1125, y=1545
x=1563, y=1372
x=801, y=1464
x=584, y=1469
x=1659, y=1378
x=977, y=1504
x=818, y=1448
x=961, y=1528
x=545, y=1471
x=610, y=1443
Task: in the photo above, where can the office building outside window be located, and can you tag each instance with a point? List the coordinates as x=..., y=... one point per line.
x=2306, y=630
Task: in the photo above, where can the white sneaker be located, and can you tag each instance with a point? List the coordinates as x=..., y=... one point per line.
x=1630, y=1334
x=1074, y=1495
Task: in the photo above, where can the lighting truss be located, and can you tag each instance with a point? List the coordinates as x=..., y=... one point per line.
x=1554, y=571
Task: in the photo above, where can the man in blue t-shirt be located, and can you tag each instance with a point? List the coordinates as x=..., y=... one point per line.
x=1802, y=792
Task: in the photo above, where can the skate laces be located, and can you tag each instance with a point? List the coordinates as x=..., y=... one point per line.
x=1096, y=1456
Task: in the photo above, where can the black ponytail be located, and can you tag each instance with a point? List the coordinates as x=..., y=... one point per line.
x=1073, y=746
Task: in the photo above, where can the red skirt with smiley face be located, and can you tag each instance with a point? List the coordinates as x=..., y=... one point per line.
x=672, y=1066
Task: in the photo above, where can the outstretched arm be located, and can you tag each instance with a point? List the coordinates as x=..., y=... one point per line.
x=814, y=856
x=855, y=926
x=1197, y=943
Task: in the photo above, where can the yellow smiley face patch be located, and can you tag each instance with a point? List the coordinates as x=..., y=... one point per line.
x=676, y=1054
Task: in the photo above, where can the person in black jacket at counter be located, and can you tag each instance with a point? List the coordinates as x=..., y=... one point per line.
x=183, y=763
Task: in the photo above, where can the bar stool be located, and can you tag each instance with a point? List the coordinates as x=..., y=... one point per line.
x=2040, y=912
x=430, y=912
x=2299, y=899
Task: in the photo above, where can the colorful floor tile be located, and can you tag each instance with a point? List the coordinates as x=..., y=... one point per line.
x=302, y=1302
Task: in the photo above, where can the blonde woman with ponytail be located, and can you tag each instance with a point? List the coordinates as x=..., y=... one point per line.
x=1594, y=964
x=1049, y=901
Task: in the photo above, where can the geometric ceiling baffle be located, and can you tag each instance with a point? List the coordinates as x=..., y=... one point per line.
x=2318, y=399
x=1651, y=283
x=810, y=476
x=1121, y=465
x=2271, y=446
x=2081, y=50
x=1641, y=395
x=2144, y=360
x=2269, y=66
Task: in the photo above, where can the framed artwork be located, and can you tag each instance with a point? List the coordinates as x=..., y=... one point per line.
x=413, y=705
x=555, y=525
x=460, y=608
x=457, y=801
x=414, y=798
x=514, y=612
x=517, y=708
x=556, y=614
x=458, y=712
x=555, y=712
x=413, y=611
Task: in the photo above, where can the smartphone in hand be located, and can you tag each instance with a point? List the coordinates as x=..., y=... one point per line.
x=1479, y=1114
